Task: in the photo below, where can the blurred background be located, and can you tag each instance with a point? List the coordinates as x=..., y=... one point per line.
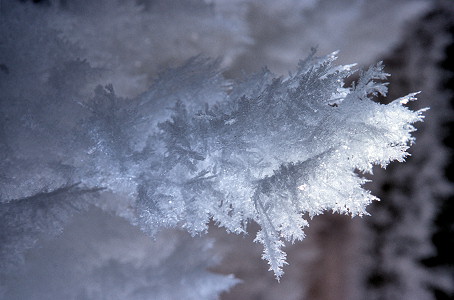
x=404, y=250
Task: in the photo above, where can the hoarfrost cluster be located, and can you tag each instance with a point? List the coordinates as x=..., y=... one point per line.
x=156, y=134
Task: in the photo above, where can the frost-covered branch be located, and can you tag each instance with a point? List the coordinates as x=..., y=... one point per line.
x=276, y=156
x=197, y=147
x=272, y=157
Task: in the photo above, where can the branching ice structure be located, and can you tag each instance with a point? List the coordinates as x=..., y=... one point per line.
x=270, y=150
x=290, y=149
